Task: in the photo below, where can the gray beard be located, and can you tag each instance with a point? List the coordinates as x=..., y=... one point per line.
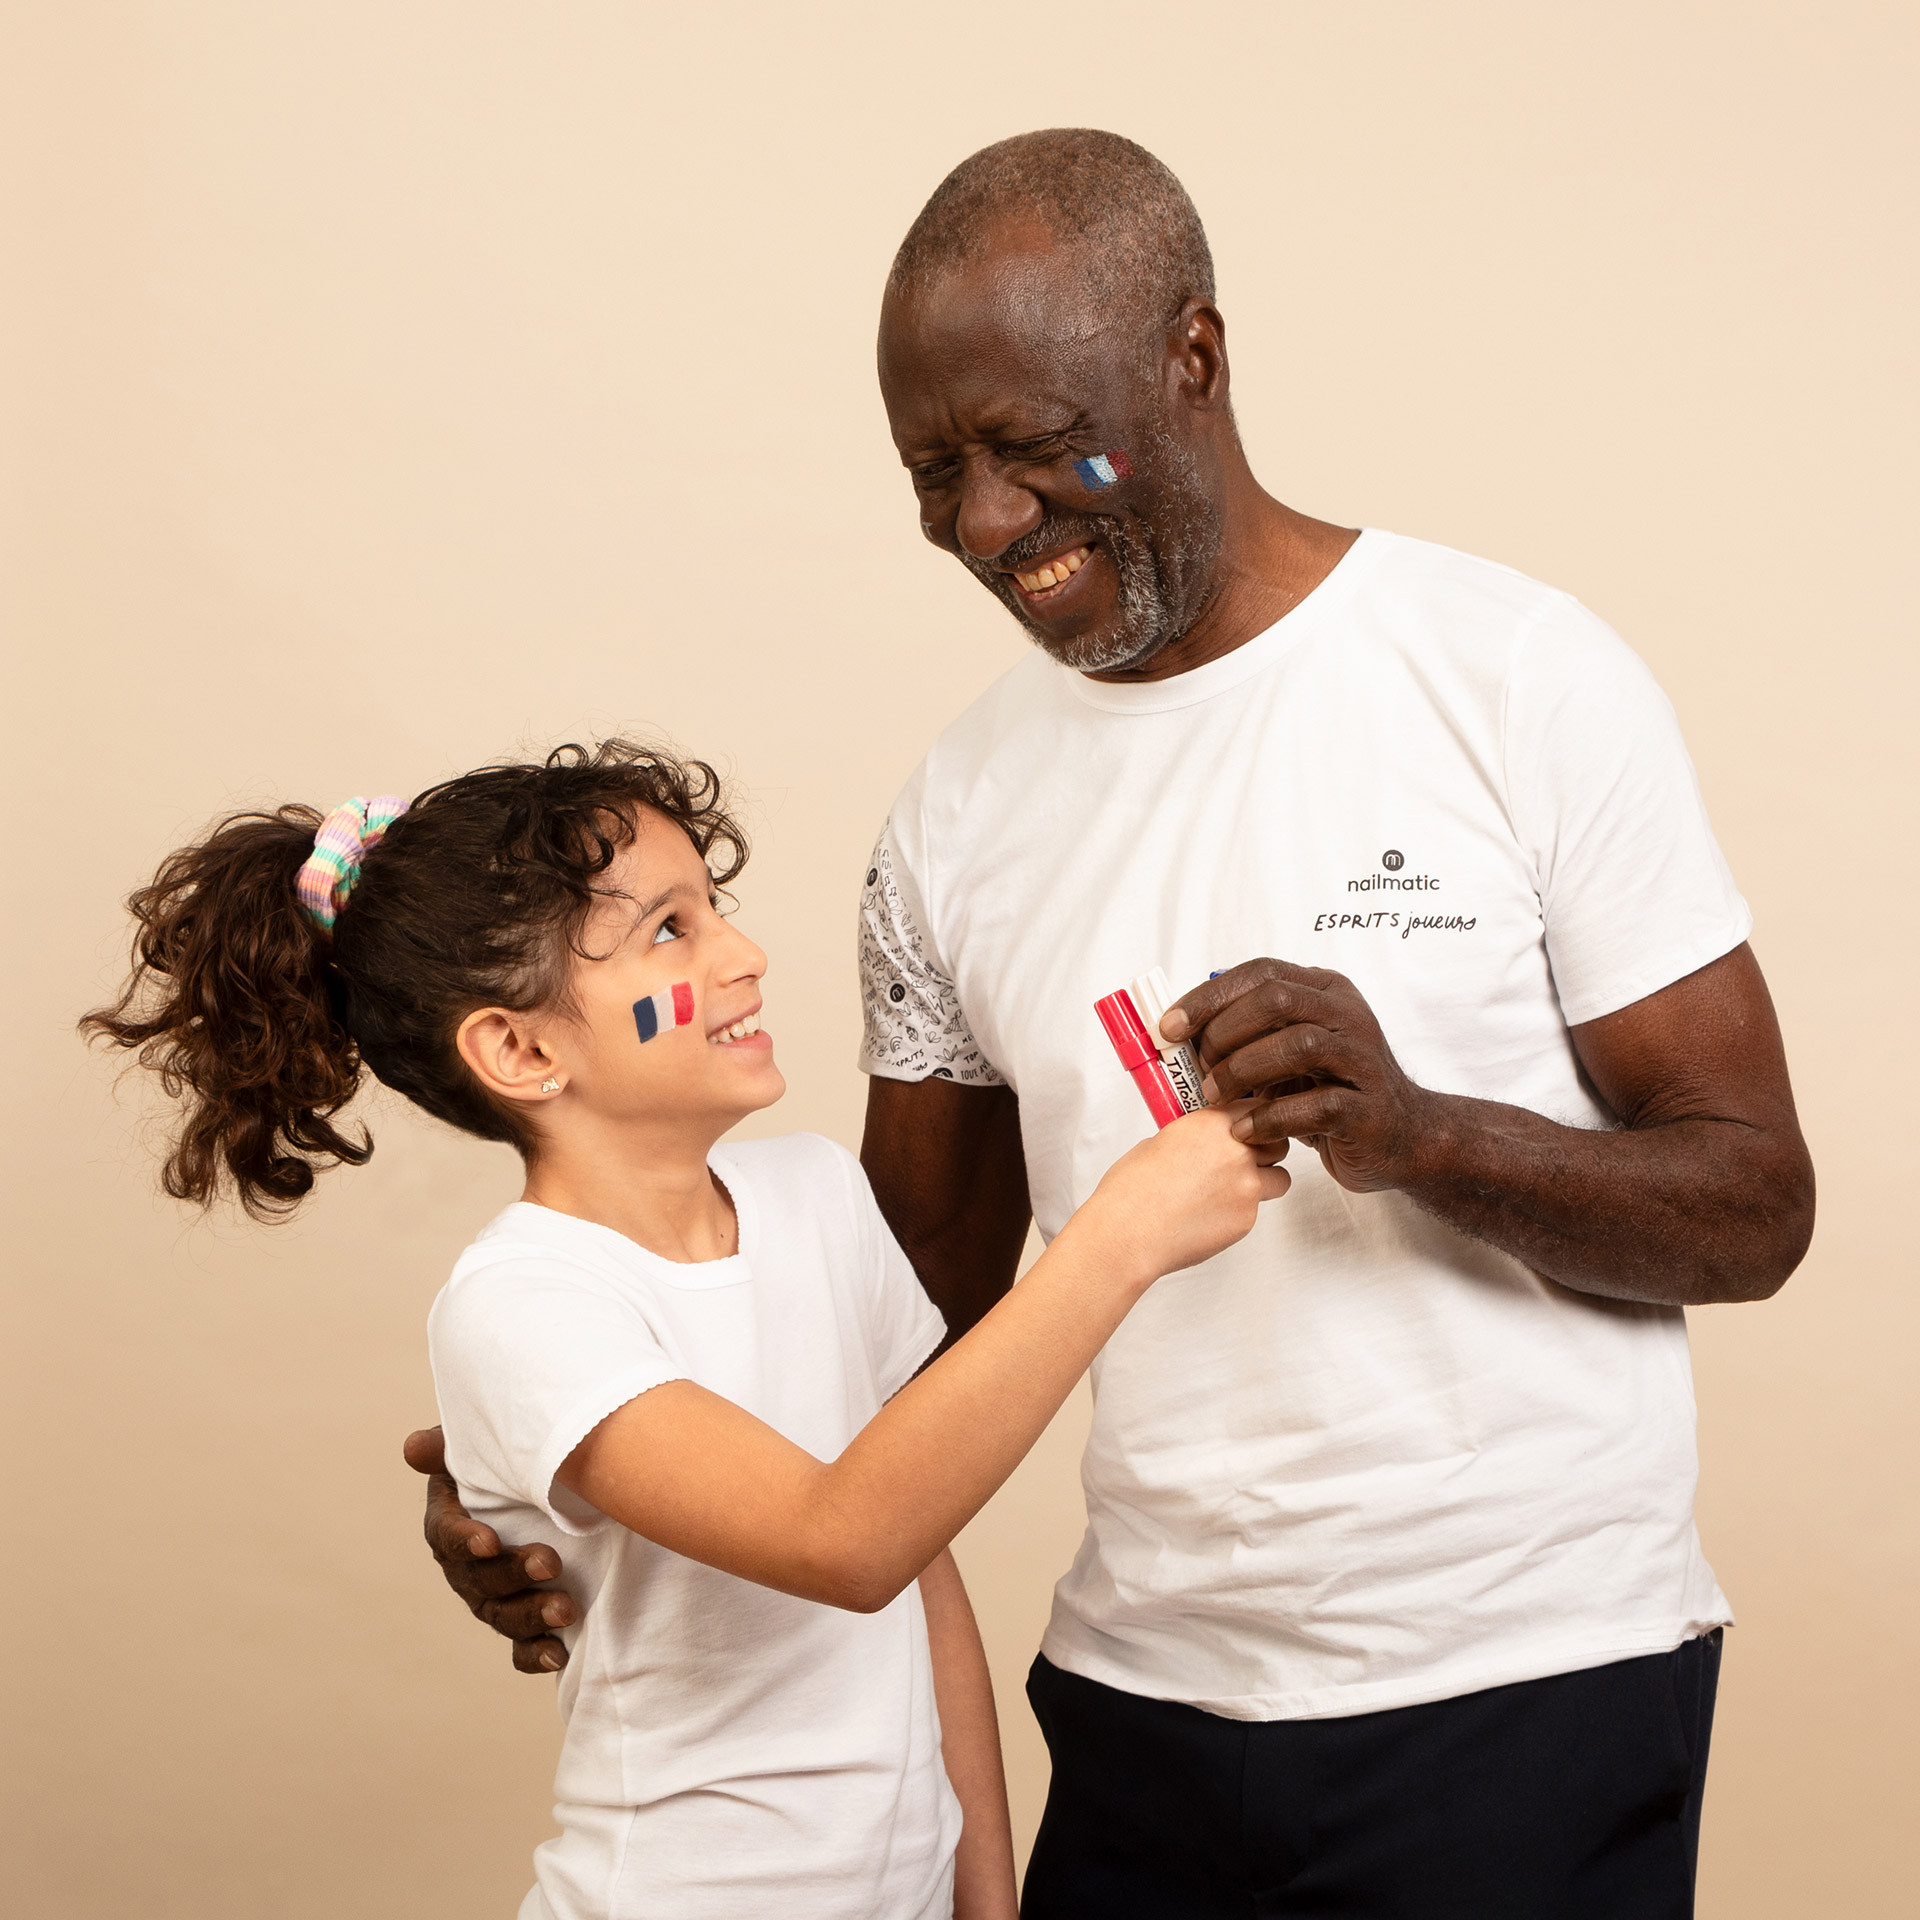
x=1164, y=582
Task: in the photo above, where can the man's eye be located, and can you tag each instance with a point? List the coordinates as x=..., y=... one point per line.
x=936, y=473
x=669, y=930
x=1031, y=450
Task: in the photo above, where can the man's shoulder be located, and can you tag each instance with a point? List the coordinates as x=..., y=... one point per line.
x=1003, y=724
x=1484, y=625
x=1021, y=701
x=1449, y=587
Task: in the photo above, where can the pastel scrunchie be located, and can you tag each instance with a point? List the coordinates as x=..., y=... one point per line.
x=347, y=835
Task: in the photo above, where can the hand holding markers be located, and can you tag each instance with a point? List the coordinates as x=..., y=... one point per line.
x=1301, y=1053
x=1192, y=1190
x=1186, y=1194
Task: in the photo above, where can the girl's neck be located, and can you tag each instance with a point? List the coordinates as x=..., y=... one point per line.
x=656, y=1190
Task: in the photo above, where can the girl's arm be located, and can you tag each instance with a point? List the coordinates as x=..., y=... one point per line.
x=704, y=1478
x=970, y=1739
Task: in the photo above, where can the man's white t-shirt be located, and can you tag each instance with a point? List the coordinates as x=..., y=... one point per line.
x=729, y=1750
x=1359, y=1460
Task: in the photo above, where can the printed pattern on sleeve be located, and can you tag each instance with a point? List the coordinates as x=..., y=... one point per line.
x=915, y=1029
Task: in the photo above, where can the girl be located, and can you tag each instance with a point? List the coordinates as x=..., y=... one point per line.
x=697, y=1360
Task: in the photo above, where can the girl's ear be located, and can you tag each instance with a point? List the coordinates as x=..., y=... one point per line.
x=506, y=1056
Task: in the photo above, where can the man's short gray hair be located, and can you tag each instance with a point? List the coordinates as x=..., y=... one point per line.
x=1139, y=243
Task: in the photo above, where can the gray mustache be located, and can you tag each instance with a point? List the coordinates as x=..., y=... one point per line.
x=1048, y=537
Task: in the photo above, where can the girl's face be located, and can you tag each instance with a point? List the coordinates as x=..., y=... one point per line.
x=666, y=1020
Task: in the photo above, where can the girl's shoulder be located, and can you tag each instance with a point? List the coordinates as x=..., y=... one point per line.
x=537, y=1239
x=531, y=1259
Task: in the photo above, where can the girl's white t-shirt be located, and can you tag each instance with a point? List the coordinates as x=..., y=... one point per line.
x=729, y=1750
x=1359, y=1460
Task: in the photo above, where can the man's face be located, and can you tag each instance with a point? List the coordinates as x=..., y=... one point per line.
x=997, y=380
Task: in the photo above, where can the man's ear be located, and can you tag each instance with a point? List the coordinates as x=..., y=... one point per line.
x=1197, y=341
x=507, y=1056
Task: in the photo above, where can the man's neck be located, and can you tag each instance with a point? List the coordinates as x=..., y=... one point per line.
x=1271, y=558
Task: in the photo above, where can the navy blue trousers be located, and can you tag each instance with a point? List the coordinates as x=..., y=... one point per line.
x=1576, y=1797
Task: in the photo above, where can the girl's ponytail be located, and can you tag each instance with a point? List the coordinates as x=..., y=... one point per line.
x=230, y=1002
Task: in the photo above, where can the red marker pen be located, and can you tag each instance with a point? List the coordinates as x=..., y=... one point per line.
x=1167, y=1075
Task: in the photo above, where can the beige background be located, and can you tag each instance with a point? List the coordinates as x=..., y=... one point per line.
x=392, y=386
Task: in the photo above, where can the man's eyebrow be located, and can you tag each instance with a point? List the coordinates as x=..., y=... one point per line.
x=1003, y=431
x=1072, y=424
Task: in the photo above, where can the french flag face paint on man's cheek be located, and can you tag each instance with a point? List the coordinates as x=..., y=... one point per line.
x=661, y=1012
x=1103, y=469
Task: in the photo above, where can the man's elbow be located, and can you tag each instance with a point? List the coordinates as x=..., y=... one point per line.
x=1780, y=1227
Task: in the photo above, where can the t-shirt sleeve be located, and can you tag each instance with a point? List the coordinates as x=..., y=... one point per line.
x=903, y=1325
x=914, y=1027
x=1634, y=891
x=528, y=1358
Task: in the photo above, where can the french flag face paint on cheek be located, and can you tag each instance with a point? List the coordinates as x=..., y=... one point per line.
x=1103, y=469
x=661, y=1012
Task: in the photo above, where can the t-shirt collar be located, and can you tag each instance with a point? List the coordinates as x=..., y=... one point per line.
x=1234, y=669
x=524, y=1220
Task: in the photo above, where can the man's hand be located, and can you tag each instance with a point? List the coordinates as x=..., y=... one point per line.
x=1305, y=1044
x=498, y=1587
x=1704, y=1192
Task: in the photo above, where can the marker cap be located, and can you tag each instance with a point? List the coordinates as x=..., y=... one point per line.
x=1125, y=1029
x=1153, y=996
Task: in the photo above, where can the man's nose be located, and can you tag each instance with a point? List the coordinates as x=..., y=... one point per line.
x=994, y=513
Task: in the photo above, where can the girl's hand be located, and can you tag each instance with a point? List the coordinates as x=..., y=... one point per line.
x=1183, y=1196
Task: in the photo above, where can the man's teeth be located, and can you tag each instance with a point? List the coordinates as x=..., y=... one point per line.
x=740, y=1030
x=1055, y=570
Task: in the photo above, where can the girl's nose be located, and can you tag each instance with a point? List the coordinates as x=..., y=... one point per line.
x=742, y=960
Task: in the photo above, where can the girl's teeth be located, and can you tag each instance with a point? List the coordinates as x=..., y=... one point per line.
x=740, y=1030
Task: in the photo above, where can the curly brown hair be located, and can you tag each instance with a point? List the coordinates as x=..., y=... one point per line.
x=477, y=896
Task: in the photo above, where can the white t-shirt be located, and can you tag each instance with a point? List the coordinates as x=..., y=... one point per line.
x=1359, y=1460
x=729, y=1750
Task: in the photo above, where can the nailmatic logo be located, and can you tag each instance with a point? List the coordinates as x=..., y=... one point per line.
x=1391, y=880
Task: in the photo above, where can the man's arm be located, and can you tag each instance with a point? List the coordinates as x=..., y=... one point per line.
x=1705, y=1193
x=970, y=1744
x=950, y=1176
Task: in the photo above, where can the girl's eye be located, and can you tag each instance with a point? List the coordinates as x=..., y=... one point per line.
x=669, y=930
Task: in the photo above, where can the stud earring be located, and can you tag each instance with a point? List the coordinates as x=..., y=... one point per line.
x=549, y=1086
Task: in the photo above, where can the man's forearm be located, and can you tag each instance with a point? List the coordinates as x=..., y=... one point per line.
x=949, y=1174
x=1705, y=1192
x=1682, y=1214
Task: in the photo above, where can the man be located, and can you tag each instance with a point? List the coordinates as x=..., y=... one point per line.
x=1390, y=1599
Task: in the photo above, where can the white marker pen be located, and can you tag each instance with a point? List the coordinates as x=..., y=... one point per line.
x=1152, y=995
x=1168, y=1075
